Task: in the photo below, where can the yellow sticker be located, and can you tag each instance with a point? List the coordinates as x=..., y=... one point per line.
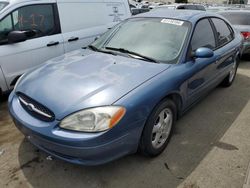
x=174, y=22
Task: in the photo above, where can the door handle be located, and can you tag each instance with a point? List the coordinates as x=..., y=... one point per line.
x=217, y=60
x=73, y=39
x=53, y=43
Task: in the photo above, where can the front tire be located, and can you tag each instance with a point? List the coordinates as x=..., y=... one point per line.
x=158, y=128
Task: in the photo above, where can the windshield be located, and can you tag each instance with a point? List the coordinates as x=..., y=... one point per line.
x=2, y=5
x=156, y=38
x=237, y=18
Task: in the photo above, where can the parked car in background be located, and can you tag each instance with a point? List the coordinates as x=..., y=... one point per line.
x=217, y=9
x=125, y=91
x=225, y=7
x=136, y=11
x=133, y=4
x=184, y=6
x=145, y=6
x=32, y=32
x=247, y=7
x=155, y=5
x=241, y=21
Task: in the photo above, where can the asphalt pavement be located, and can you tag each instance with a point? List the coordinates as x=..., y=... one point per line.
x=210, y=148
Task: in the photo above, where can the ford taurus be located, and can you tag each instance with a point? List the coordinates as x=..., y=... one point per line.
x=125, y=91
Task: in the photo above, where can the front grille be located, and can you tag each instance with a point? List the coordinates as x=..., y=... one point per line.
x=35, y=109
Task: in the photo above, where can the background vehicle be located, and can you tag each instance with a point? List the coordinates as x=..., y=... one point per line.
x=135, y=11
x=241, y=21
x=126, y=90
x=222, y=8
x=155, y=5
x=184, y=6
x=32, y=32
x=217, y=8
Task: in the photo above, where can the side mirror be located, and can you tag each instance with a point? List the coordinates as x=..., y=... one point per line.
x=17, y=36
x=203, y=53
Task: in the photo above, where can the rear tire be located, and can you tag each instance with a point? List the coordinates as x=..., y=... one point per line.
x=158, y=128
x=228, y=81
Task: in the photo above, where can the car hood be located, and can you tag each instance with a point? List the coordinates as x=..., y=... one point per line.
x=85, y=79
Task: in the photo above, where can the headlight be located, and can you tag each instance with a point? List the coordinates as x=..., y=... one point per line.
x=94, y=119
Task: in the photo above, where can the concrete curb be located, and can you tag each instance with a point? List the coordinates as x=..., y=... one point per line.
x=226, y=168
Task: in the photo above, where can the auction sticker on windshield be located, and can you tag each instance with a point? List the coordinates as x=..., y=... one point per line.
x=174, y=22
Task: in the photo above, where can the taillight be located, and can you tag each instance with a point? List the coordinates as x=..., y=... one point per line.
x=246, y=35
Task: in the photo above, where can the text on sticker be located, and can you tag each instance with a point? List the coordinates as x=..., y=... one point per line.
x=174, y=22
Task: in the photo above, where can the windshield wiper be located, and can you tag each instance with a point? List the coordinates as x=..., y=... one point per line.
x=93, y=48
x=132, y=53
x=100, y=50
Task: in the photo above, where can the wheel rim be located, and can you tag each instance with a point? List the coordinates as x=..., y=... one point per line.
x=233, y=71
x=162, y=128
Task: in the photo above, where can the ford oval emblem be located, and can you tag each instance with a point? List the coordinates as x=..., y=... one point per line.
x=30, y=107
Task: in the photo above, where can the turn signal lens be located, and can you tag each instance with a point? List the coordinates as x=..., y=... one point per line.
x=117, y=117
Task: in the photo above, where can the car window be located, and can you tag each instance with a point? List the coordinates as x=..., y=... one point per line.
x=38, y=18
x=192, y=7
x=203, y=36
x=132, y=6
x=224, y=34
x=5, y=27
x=181, y=7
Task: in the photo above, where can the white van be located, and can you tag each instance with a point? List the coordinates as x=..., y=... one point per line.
x=33, y=31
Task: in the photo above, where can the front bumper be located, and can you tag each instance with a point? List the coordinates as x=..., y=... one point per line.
x=79, y=148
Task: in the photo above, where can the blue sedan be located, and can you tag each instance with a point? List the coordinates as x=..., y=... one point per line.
x=125, y=91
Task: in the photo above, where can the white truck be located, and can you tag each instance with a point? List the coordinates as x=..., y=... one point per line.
x=33, y=31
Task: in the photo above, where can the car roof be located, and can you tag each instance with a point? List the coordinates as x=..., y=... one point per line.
x=186, y=15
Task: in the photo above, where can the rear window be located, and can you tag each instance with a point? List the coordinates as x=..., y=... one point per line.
x=191, y=7
x=237, y=18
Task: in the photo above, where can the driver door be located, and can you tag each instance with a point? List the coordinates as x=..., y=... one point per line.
x=203, y=69
x=44, y=40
